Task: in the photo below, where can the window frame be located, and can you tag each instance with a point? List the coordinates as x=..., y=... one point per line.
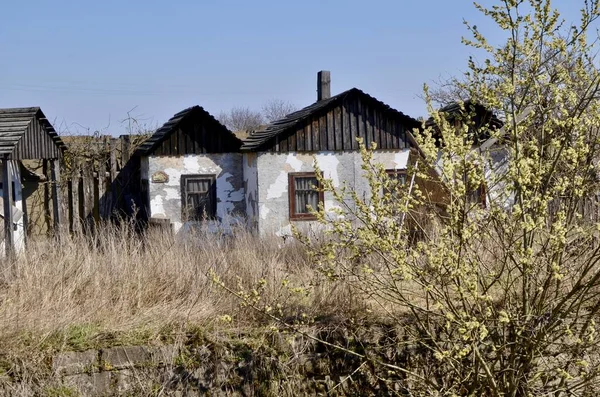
x=395, y=172
x=292, y=196
x=185, y=178
x=479, y=195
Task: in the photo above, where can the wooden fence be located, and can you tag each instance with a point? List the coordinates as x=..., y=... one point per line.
x=99, y=181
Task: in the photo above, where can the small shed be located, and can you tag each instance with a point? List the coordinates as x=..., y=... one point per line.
x=191, y=173
x=25, y=134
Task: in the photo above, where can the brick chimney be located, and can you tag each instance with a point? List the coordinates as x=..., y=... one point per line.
x=323, y=85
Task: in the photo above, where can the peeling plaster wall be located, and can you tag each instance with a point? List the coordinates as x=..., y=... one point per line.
x=341, y=167
x=165, y=198
x=496, y=168
x=250, y=172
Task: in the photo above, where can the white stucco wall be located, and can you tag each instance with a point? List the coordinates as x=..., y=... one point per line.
x=341, y=167
x=19, y=232
x=496, y=168
x=250, y=172
x=165, y=198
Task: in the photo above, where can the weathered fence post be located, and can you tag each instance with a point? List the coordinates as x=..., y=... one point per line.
x=7, y=197
x=55, y=170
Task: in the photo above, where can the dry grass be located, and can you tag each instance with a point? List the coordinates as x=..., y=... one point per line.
x=69, y=293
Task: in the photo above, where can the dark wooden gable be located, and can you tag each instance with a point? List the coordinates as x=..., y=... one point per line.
x=25, y=133
x=37, y=143
x=334, y=124
x=192, y=131
x=481, y=120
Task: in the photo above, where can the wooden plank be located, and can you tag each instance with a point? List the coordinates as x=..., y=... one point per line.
x=88, y=196
x=283, y=143
x=318, y=133
x=366, y=111
x=113, y=172
x=47, y=196
x=204, y=140
x=317, y=141
x=56, y=204
x=395, y=135
x=176, y=143
x=373, y=126
x=125, y=149
x=96, y=178
x=345, y=127
x=361, y=124
x=292, y=141
x=103, y=193
x=300, y=140
x=70, y=205
x=80, y=201
x=306, y=128
x=35, y=150
x=385, y=135
x=193, y=131
x=353, y=123
x=325, y=131
x=189, y=141
x=333, y=125
x=7, y=197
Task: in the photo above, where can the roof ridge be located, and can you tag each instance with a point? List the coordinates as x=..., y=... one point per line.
x=254, y=141
x=167, y=128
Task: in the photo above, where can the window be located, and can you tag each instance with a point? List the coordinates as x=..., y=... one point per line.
x=479, y=196
x=398, y=178
x=476, y=194
x=304, y=192
x=199, y=197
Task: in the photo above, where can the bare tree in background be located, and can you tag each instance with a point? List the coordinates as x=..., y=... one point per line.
x=447, y=90
x=246, y=119
x=276, y=109
x=241, y=119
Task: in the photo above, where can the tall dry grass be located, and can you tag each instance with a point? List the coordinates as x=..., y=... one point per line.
x=118, y=282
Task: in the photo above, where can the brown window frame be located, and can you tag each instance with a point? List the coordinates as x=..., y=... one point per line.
x=396, y=172
x=480, y=194
x=184, y=196
x=292, y=195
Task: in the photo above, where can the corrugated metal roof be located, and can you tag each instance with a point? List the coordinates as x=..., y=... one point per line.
x=163, y=132
x=257, y=138
x=14, y=123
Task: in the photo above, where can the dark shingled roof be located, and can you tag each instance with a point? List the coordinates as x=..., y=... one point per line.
x=482, y=115
x=257, y=138
x=163, y=132
x=14, y=123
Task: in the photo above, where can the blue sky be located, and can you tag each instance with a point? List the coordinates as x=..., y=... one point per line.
x=87, y=63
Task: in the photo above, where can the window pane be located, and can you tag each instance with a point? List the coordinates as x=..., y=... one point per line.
x=198, y=185
x=305, y=183
x=198, y=198
x=398, y=176
x=305, y=194
x=199, y=205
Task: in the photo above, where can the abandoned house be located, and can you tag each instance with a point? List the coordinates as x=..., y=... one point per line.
x=191, y=171
x=481, y=122
x=194, y=169
x=278, y=160
x=25, y=134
